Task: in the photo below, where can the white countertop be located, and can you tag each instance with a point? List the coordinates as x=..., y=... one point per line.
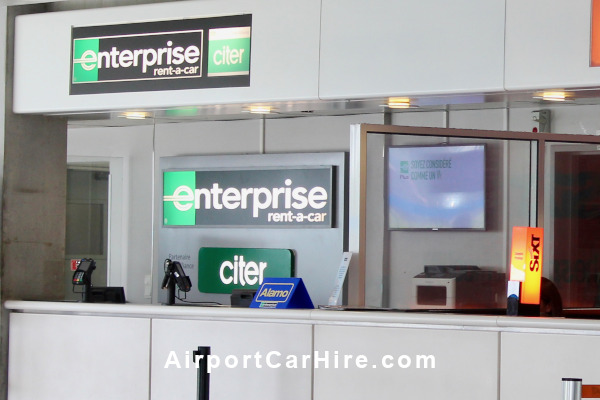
x=315, y=317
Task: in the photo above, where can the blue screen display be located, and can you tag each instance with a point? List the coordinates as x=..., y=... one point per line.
x=436, y=187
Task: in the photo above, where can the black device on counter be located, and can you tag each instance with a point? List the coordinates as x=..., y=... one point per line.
x=109, y=294
x=83, y=277
x=242, y=297
x=174, y=275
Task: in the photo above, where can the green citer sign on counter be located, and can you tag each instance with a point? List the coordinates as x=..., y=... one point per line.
x=222, y=269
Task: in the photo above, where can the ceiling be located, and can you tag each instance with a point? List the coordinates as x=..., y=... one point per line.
x=295, y=109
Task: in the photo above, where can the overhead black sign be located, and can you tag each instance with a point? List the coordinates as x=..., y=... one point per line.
x=162, y=55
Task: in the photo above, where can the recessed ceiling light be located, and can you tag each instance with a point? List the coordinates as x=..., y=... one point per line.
x=136, y=115
x=260, y=109
x=398, y=102
x=553, y=95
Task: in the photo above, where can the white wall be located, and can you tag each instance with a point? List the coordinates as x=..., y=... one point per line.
x=548, y=44
x=386, y=48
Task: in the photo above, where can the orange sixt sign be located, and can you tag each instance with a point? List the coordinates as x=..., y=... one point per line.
x=526, y=262
x=595, y=35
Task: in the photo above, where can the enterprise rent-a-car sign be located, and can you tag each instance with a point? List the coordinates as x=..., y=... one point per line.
x=161, y=55
x=291, y=197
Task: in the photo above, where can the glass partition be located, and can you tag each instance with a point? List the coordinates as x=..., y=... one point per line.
x=452, y=259
x=417, y=267
x=87, y=221
x=573, y=221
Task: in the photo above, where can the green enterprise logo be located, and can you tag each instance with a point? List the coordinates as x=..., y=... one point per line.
x=404, y=167
x=178, y=198
x=85, y=60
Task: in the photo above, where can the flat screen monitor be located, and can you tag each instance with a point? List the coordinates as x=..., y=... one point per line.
x=436, y=187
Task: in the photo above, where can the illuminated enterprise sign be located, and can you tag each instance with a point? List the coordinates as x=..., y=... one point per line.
x=292, y=197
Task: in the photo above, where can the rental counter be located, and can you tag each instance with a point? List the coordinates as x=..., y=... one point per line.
x=100, y=351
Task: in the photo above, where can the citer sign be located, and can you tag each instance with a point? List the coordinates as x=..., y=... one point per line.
x=222, y=269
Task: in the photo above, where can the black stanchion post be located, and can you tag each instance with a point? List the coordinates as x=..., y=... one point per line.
x=201, y=360
x=87, y=291
x=171, y=292
x=571, y=388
